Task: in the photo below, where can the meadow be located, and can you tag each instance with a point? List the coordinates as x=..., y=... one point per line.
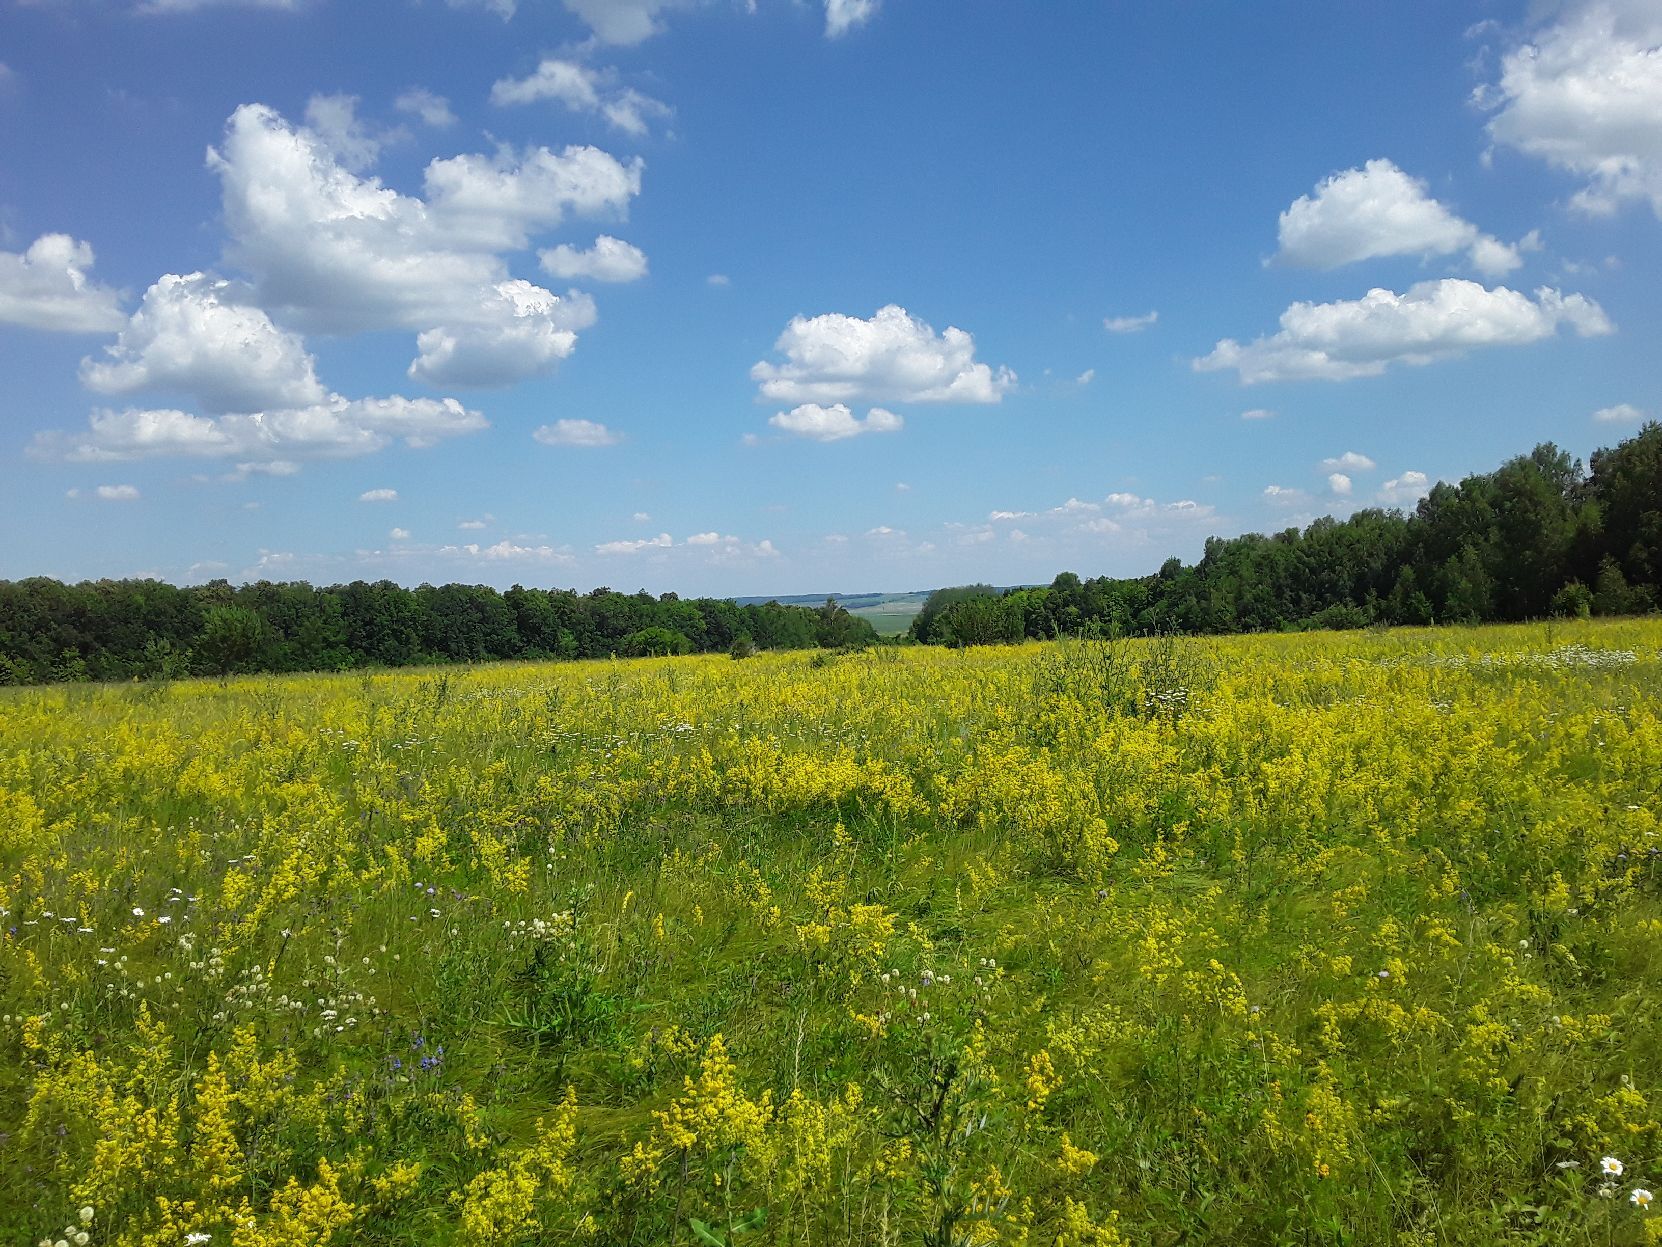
x=1336, y=938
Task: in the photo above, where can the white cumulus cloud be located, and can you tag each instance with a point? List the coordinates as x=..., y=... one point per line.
x=118, y=493
x=335, y=428
x=576, y=433
x=661, y=542
x=1432, y=320
x=335, y=252
x=1378, y=210
x=1350, y=461
x=47, y=287
x=892, y=357
x=1339, y=483
x=841, y=16
x=520, y=329
x=1405, y=490
x=1584, y=94
x=582, y=89
x=191, y=335
x=378, y=495
x=834, y=423
x=610, y=259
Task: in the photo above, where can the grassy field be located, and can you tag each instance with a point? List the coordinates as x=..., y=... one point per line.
x=887, y=620
x=1330, y=938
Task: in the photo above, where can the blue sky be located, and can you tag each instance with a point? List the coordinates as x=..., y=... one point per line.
x=788, y=297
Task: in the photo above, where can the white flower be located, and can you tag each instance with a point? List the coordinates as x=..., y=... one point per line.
x=165, y=919
x=86, y=1215
x=1612, y=1166
x=197, y=1236
x=1640, y=1197
x=1569, y=1164
x=137, y=912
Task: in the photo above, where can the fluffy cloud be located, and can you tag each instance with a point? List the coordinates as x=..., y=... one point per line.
x=583, y=89
x=336, y=252
x=190, y=335
x=841, y=16
x=47, y=287
x=429, y=109
x=118, y=493
x=625, y=22
x=1130, y=324
x=711, y=547
x=576, y=433
x=1339, y=483
x=1405, y=490
x=378, y=495
x=519, y=331
x=1621, y=413
x=1378, y=210
x=893, y=357
x=1350, y=461
x=1258, y=413
x=610, y=259
x=834, y=423
x=1433, y=320
x=336, y=428
x=661, y=542
x=334, y=121
x=506, y=551
x=1585, y=95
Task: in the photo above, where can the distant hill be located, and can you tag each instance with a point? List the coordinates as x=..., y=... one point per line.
x=889, y=613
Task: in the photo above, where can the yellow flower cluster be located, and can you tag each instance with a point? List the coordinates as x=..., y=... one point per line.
x=909, y=946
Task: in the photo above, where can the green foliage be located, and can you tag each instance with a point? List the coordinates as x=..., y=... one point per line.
x=938, y=602
x=231, y=639
x=141, y=629
x=979, y=620
x=1573, y=601
x=654, y=643
x=1503, y=545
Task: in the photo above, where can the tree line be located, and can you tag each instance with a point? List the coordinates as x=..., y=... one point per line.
x=1541, y=535
x=146, y=629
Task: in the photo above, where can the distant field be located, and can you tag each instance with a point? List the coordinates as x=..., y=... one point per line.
x=890, y=618
x=1330, y=939
x=889, y=613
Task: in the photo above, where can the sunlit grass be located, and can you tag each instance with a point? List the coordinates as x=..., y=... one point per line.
x=1327, y=938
